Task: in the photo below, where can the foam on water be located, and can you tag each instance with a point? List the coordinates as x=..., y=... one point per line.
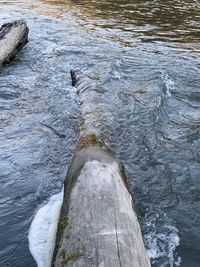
x=169, y=84
x=161, y=246
x=42, y=233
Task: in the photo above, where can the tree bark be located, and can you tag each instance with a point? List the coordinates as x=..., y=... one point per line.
x=98, y=223
x=13, y=37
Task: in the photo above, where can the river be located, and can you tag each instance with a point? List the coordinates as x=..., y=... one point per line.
x=144, y=58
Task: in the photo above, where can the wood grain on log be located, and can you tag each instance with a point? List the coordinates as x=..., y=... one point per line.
x=13, y=36
x=98, y=224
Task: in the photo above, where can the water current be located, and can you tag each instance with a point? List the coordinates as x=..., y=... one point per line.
x=144, y=58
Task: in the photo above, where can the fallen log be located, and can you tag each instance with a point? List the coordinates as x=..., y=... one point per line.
x=98, y=223
x=13, y=37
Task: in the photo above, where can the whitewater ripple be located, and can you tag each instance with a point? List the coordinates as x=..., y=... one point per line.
x=42, y=233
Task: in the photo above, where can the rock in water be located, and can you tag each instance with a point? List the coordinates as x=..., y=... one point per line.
x=13, y=37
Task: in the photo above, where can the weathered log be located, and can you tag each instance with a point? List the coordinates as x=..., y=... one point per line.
x=13, y=37
x=98, y=223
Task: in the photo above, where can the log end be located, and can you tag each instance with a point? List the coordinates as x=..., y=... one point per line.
x=13, y=37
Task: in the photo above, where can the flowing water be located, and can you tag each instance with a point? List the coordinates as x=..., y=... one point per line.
x=144, y=58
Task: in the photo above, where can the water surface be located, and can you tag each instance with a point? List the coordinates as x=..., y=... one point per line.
x=144, y=58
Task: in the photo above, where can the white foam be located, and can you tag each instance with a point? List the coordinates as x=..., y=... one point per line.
x=169, y=84
x=161, y=247
x=42, y=233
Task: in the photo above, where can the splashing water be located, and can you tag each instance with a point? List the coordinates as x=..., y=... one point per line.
x=162, y=245
x=42, y=233
x=144, y=55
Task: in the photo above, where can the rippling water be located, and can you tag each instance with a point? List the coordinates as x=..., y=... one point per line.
x=144, y=58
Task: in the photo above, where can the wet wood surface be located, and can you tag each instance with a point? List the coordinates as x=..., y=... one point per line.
x=98, y=224
x=13, y=37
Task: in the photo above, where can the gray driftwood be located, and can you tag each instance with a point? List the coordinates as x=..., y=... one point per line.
x=13, y=36
x=98, y=224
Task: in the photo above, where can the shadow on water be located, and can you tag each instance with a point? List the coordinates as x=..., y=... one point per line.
x=143, y=56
